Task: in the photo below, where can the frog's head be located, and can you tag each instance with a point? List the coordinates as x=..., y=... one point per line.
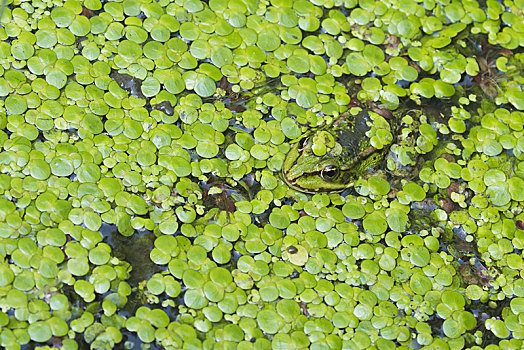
x=307, y=172
x=335, y=171
x=331, y=159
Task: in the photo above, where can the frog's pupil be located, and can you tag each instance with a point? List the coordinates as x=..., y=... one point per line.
x=329, y=173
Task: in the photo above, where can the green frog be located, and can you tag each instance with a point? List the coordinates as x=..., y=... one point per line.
x=331, y=158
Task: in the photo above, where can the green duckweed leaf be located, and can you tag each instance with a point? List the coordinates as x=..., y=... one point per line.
x=22, y=50
x=221, y=254
x=62, y=16
x=353, y=210
x=39, y=331
x=499, y=194
x=375, y=223
x=420, y=284
x=7, y=275
x=516, y=188
x=150, y=87
x=171, y=121
x=15, y=104
x=357, y=64
x=451, y=328
x=269, y=321
x=397, y=220
x=39, y=169
x=498, y=328
x=279, y=219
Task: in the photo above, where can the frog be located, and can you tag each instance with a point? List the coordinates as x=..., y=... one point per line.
x=330, y=158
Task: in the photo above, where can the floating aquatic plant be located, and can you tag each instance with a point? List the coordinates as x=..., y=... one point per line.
x=171, y=120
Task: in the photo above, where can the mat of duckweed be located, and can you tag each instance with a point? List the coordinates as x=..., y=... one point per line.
x=142, y=203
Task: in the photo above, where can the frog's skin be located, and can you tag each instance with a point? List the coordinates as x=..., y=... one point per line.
x=349, y=155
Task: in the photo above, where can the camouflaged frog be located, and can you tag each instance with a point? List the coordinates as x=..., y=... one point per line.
x=331, y=158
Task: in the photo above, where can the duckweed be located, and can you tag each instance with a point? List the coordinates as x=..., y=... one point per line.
x=141, y=194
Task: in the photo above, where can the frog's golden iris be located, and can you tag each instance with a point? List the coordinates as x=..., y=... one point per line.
x=331, y=158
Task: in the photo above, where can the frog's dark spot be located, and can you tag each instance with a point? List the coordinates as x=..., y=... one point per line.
x=165, y=107
x=292, y=249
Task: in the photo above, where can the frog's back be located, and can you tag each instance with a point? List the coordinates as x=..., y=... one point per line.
x=350, y=133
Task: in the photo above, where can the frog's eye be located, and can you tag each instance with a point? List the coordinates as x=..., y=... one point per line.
x=302, y=143
x=329, y=173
